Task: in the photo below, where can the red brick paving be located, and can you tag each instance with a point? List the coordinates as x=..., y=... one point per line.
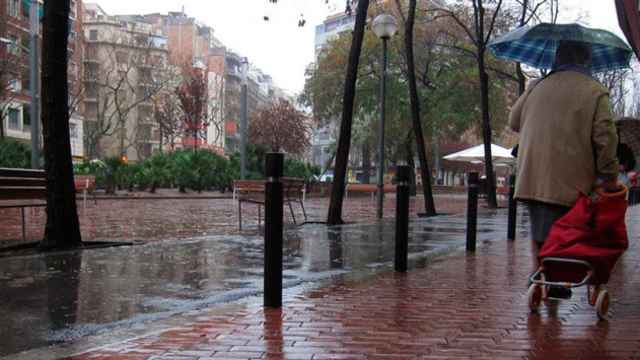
x=459, y=307
x=155, y=219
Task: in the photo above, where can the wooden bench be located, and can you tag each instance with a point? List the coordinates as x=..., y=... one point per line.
x=22, y=184
x=86, y=184
x=252, y=191
x=368, y=189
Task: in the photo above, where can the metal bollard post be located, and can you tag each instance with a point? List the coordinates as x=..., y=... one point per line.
x=472, y=211
x=402, y=218
x=513, y=209
x=273, y=231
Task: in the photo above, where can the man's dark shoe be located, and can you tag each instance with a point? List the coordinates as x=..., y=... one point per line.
x=559, y=292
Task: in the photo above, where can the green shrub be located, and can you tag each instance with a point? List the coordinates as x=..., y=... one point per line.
x=156, y=172
x=201, y=170
x=300, y=169
x=97, y=168
x=14, y=154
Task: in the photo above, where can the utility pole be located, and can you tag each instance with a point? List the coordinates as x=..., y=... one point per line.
x=243, y=120
x=34, y=82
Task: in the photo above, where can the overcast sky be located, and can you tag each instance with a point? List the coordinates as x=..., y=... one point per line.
x=282, y=49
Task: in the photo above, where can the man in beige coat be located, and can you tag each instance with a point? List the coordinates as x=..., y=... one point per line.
x=567, y=139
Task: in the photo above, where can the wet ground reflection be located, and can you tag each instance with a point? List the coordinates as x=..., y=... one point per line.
x=65, y=296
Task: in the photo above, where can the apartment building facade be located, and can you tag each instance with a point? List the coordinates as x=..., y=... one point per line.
x=15, y=83
x=125, y=65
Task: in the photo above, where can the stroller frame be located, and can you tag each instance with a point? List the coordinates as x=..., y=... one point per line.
x=538, y=290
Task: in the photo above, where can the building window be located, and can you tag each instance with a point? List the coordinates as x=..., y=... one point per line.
x=26, y=80
x=73, y=70
x=13, y=8
x=93, y=35
x=13, y=47
x=73, y=131
x=26, y=43
x=26, y=117
x=72, y=13
x=15, y=85
x=122, y=57
x=14, y=119
x=91, y=110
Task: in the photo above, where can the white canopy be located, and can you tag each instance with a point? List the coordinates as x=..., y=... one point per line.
x=476, y=154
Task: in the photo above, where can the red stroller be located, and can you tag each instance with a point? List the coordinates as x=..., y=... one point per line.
x=582, y=249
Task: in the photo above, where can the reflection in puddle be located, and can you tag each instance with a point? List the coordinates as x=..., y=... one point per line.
x=64, y=296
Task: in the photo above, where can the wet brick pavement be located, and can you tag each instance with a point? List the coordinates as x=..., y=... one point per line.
x=154, y=219
x=458, y=307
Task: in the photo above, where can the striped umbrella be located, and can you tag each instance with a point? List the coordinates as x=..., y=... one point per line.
x=536, y=46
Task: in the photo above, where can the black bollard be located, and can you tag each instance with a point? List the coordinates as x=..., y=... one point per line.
x=273, y=231
x=513, y=209
x=402, y=217
x=472, y=211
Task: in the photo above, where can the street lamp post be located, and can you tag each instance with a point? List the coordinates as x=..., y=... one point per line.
x=35, y=96
x=384, y=26
x=243, y=120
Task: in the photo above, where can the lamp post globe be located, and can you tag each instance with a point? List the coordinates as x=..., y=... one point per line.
x=385, y=26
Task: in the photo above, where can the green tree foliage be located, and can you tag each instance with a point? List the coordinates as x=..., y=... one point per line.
x=448, y=84
x=14, y=154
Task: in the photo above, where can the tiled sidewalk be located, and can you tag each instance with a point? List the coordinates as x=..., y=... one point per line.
x=459, y=307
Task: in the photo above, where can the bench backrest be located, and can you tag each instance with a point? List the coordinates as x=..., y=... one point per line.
x=84, y=182
x=248, y=186
x=19, y=184
x=292, y=187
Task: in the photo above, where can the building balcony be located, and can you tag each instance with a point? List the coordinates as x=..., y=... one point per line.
x=87, y=60
x=90, y=79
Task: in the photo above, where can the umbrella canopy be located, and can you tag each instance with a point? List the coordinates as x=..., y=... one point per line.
x=536, y=46
x=629, y=21
x=476, y=154
x=629, y=130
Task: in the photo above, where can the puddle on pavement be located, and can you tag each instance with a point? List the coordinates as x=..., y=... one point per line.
x=61, y=297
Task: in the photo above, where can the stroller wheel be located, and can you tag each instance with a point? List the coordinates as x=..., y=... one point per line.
x=534, y=296
x=602, y=305
x=592, y=293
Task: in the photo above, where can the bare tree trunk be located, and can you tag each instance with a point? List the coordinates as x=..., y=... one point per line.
x=334, y=216
x=62, y=229
x=486, y=132
x=411, y=162
x=366, y=162
x=521, y=78
x=429, y=206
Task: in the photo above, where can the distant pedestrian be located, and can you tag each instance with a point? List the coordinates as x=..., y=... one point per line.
x=627, y=164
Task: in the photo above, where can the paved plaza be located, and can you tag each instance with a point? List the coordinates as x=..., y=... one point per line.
x=170, y=215
x=201, y=299
x=458, y=307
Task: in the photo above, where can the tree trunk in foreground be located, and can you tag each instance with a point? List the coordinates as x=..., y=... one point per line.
x=62, y=230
